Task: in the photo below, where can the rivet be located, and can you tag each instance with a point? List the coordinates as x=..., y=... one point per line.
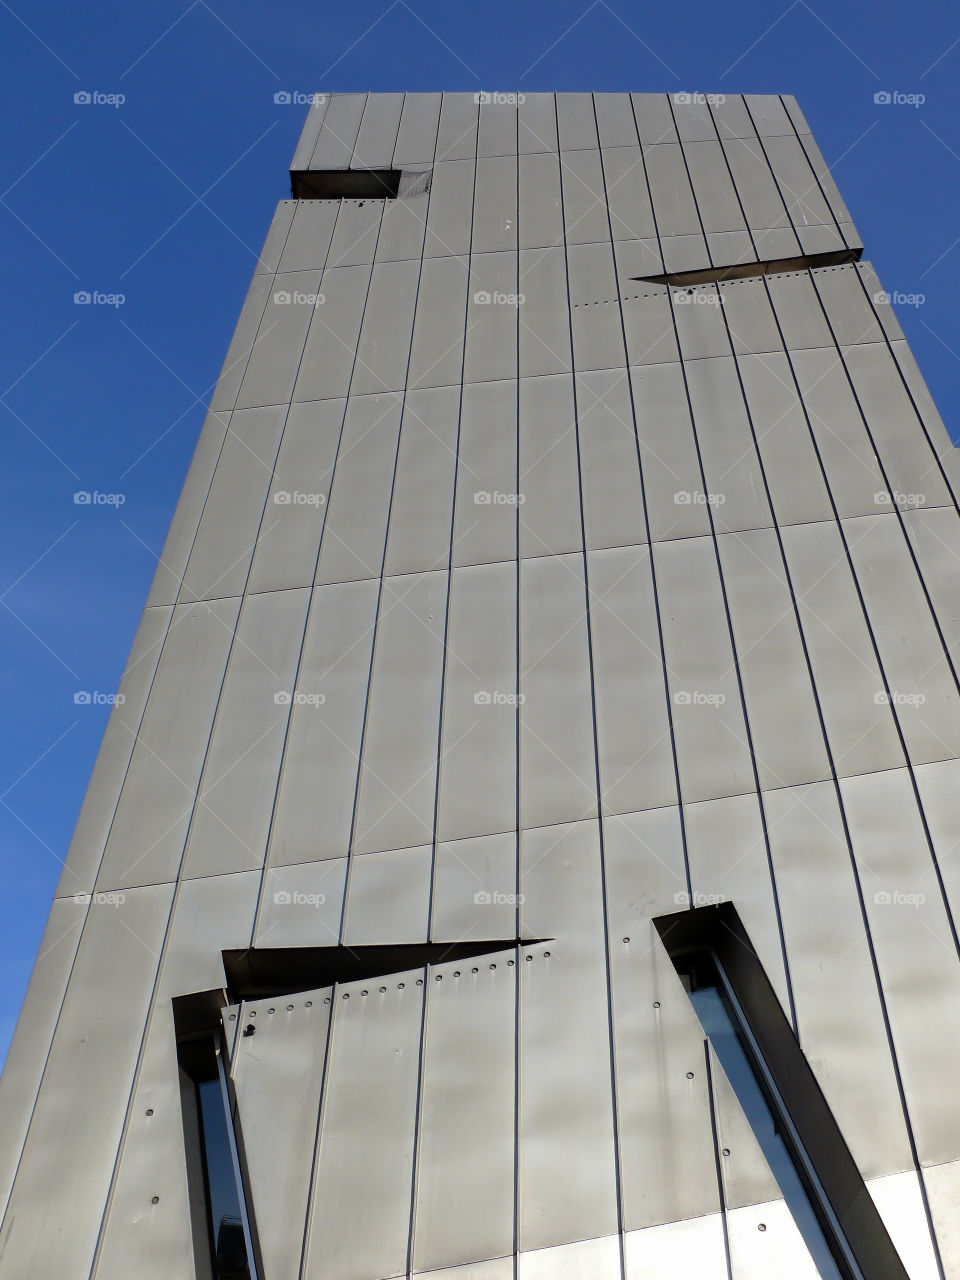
x=309, y=1004
x=438, y=977
x=689, y=1075
x=289, y=1007
x=546, y=955
x=456, y=973
x=400, y=986
x=382, y=989
x=363, y=993
x=271, y=1011
x=626, y=939
x=528, y=958
x=510, y=962
x=761, y=1226
x=253, y=1013
x=233, y=1017
x=419, y=982
x=493, y=966
x=155, y=1200
x=149, y=1111
x=346, y=995
x=725, y=1151
x=656, y=1004
x=474, y=970
x=249, y=1029
x=327, y=1000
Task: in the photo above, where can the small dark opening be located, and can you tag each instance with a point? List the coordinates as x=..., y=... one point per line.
x=749, y=270
x=345, y=184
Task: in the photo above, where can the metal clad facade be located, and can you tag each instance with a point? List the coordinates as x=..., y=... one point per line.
x=515, y=595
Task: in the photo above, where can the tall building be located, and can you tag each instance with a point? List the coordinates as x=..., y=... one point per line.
x=526, y=846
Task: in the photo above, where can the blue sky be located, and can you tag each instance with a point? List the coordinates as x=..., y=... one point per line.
x=165, y=198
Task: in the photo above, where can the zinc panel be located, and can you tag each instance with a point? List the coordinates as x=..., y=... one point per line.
x=750, y=318
x=275, y=357
x=356, y=524
x=631, y=214
x=611, y=487
x=402, y=228
x=318, y=776
x=436, y=354
x=798, y=119
x=449, y=218
x=495, y=204
x=537, y=125
x=713, y=187
x=584, y=198
x=417, y=136
x=673, y=200
x=491, y=341
x=730, y=463
x=355, y=235
x=797, y=181
x=330, y=351
x=242, y=344
x=784, y=720
x=693, y=116
x=557, y=764
x=758, y=191
x=654, y=118
x=457, y=137
x=387, y=897
x=576, y=121
x=879, y=299
x=301, y=905
x=236, y=793
x=497, y=135
x=934, y=535
x=633, y=723
x=597, y=327
x=825, y=178
x=566, y=1101
x=648, y=322
x=939, y=788
x=338, y=131
x=778, y=1250
x=146, y=840
x=465, y=1148
x=384, y=347
x=378, y=131
x=359, y=1216
x=310, y=132
x=768, y=114
x=692, y=1246
x=421, y=514
x=731, y=116
x=541, y=208
x=615, y=122
x=727, y=248
x=289, y=539
x=714, y=758
x=849, y=312
x=475, y=885
x=747, y=1183
x=549, y=467
x=232, y=516
x=269, y=259
x=700, y=324
x=672, y=482
x=859, y=724
x=395, y=807
x=920, y=682
x=485, y=518
x=478, y=748
x=637, y=259
x=796, y=302
x=544, y=337
x=311, y=231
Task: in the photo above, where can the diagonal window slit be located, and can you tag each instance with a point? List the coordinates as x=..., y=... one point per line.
x=359, y=184
x=747, y=270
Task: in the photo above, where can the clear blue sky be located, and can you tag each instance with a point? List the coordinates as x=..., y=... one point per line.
x=166, y=199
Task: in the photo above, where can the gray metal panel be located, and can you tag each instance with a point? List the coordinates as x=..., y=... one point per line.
x=584, y=198
x=615, y=122
x=301, y=904
x=849, y=312
x=730, y=462
x=186, y=517
x=278, y=1077
x=610, y=483
x=798, y=310
x=384, y=346
x=747, y=1181
x=777, y=1250
x=289, y=537
x=597, y=327
x=792, y=468
x=666, y=1142
x=731, y=116
x=465, y=1147
x=797, y=117
x=916, y=954
x=421, y=513
x=769, y=115
x=576, y=121
x=648, y=322
x=693, y=116
x=457, y=137
x=713, y=187
x=485, y=523
x=491, y=318
x=940, y=439
x=497, y=135
x=750, y=318
x=700, y=324
x=318, y=777
x=860, y=728
x=544, y=336
x=825, y=178
x=355, y=235
x=685, y=253
x=631, y=215
x=311, y=231
x=942, y=1186
x=275, y=356
x=330, y=350
x=785, y=725
x=80, y=867
x=541, y=209
x=853, y=472
x=904, y=1212
x=728, y=248
x=221, y=555
x=378, y=131
x=388, y=897
x=549, y=471
x=797, y=182
x=395, y=807
x=27, y=1054
x=475, y=883
x=338, y=131
x=310, y=132
x=360, y=1202
x=910, y=463
x=495, y=204
x=762, y=201
x=673, y=200
x=637, y=258
x=355, y=529
x=633, y=724
x=478, y=749
x=276, y=237
x=146, y=840
x=920, y=681
x=692, y=1246
x=239, y=781
x=880, y=301
x=714, y=759
x=417, y=136
x=402, y=228
x=557, y=764
x=839, y=1014
x=937, y=785
x=537, y=126
x=820, y=239
x=436, y=354
x=566, y=1101
x=53, y=1216
x=935, y=539
x=600, y=1259
x=654, y=118
x=676, y=503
